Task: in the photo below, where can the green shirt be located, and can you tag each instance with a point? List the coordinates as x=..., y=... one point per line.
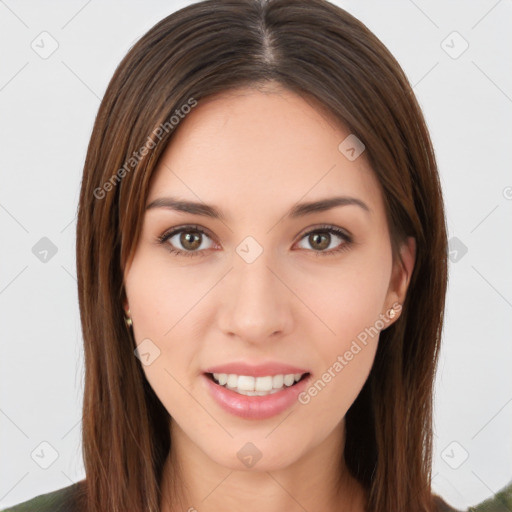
x=63, y=500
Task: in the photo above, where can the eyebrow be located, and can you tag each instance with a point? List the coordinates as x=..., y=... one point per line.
x=299, y=210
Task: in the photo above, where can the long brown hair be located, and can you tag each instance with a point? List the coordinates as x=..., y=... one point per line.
x=317, y=50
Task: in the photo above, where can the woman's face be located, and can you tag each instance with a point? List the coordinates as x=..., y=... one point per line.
x=266, y=284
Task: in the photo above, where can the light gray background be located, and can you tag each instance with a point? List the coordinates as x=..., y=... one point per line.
x=47, y=110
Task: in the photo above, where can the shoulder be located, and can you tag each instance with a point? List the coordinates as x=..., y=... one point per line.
x=500, y=502
x=441, y=506
x=61, y=500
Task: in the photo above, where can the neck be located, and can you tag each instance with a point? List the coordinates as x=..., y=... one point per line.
x=319, y=480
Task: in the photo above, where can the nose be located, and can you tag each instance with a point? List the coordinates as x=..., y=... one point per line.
x=258, y=303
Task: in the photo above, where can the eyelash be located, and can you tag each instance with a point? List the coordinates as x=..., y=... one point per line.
x=196, y=229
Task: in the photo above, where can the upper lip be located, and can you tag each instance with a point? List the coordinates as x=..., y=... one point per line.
x=260, y=370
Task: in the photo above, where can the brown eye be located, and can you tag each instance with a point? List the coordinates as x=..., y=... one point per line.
x=186, y=241
x=189, y=241
x=321, y=239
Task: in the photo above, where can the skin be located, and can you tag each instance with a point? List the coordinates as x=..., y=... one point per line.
x=254, y=154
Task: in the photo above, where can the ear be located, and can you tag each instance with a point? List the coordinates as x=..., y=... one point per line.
x=126, y=306
x=401, y=274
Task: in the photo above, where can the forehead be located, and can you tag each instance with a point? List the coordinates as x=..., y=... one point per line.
x=251, y=147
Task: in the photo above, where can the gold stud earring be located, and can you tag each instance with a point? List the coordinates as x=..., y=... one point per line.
x=128, y=319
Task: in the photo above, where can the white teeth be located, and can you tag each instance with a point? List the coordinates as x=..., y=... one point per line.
x=246, y=383
x=256, y=386
x=263, y=384
x=277, y=381
x=232, y=381
x=289, y=379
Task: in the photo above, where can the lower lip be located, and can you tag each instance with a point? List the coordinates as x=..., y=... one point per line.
x=255, y=407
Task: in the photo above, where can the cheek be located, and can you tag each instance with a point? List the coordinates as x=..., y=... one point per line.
x=349, y=302
x=160, y=295
x=346, y=351
x=162, y=302
x=347, y=299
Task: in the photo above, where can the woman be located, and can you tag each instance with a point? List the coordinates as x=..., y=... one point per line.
x=261, y=258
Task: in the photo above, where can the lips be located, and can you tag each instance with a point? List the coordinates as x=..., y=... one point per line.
x=254, y=407
x=271, y=403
